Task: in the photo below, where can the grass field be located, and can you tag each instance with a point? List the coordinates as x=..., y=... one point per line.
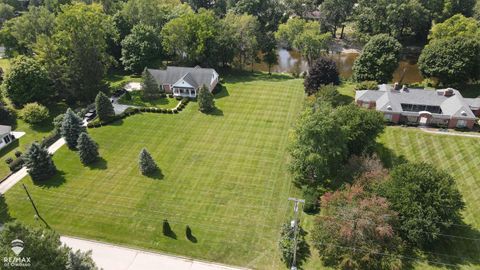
x=137, y=100
x=223, y=174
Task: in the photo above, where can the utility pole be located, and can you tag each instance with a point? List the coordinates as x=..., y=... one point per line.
x=34, y=207
x=295, y=227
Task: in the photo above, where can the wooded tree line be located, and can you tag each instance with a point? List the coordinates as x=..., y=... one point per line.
x=367, y=216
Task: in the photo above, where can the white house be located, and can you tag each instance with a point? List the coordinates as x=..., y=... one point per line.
x=185, y=81
x=6, y=136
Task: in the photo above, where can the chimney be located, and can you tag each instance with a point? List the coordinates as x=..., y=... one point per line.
x=404, y=88
x=396, y=86
x=448, y=92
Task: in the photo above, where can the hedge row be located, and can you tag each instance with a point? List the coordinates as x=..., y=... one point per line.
x=131, y=111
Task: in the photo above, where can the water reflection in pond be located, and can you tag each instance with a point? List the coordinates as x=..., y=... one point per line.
x=287, y=59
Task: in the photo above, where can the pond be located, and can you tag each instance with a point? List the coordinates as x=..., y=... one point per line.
x=287, y=59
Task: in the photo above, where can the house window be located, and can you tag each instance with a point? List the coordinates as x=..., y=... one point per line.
x=461, y=123
x=6, y=139
x=366, y=104
x=388, y=117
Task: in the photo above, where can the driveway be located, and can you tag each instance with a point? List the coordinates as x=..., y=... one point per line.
x=111, y=257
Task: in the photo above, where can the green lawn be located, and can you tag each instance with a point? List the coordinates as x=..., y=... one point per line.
x=137, y=100
x=117, y=79
x=222, y=174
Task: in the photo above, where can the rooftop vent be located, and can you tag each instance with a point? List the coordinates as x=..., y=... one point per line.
x=389, y=107
x=404, y=88
x=396, y=86
x=448, y=92
x=464, y=113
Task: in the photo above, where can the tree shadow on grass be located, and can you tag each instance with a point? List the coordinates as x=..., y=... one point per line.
x=167, y=230
x=216, y=112
x=223, y=92
x=118, y=122
x=157, y=174
x=344, y=99
x=459, y=245
x=189, y=235
x=388, y=157
x=55, y=181
x=99, y=164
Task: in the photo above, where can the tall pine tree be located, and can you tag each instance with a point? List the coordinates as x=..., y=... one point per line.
x=39, y=163
x=149, y=86
x=205, y=100
x=146, y=163
x=87, y=148
x=71, y=128
x=104, y=107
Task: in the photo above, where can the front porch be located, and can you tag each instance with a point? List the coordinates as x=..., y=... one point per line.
x=184, y=92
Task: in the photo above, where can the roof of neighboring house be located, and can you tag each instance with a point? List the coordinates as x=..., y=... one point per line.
x=389, y=100
x=5, y=129
x=196, y=76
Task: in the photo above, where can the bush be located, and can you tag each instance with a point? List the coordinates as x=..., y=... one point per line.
x=367, y=85
x=18, y=153
x=312, y=199
x=127, y=96
x=50, y=139
x=16, y=165
x=9, y=160
x=34, y=113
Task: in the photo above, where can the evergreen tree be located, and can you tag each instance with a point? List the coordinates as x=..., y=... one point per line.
x=205, y=100
x=104, y=107
x=39, y=163
x=146, y=163
x=149, y=85
x=71, y=128
x=87, y=148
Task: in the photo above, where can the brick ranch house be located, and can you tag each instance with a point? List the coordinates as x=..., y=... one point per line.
x=442, y=107
x=185, y=81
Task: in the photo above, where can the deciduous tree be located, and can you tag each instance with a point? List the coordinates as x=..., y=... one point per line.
x=318, y=149
x=322, y=72
x=357, y=231
x=27, y=81
x=87, y=148
x=451, y=60
x=286, y=245
x=140, y=47
x=39, y=163
x=378, y=60
x=334, y=14
x=426, y=199
x=456, y=26
x=34, y=113
x=362, y=127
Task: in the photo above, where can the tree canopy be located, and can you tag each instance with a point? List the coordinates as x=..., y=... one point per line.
x=426, y=199
x=27, y=81
x=71, y=128
x=456, y=26
x=140, y=47
x=39, y=163
x=322, y=72
x=356, y=230
x=378, y=60
x=206, y=102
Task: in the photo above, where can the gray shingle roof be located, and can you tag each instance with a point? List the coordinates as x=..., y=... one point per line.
x=389, y=100
x=195, y=76
x=5, y=129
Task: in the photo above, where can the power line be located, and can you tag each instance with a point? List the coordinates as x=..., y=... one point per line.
x=295, y=233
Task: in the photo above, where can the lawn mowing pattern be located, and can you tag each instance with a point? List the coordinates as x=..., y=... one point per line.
x=460, y=157
x=224, y=175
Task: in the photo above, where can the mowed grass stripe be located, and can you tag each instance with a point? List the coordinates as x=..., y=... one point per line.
x=224, y=175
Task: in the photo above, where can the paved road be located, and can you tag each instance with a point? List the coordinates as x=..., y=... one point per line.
x=16, y=177
x=110, y=257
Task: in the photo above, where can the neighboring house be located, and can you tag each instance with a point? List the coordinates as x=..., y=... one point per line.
x=185, y=81
x=443, y=107
x=6, y=136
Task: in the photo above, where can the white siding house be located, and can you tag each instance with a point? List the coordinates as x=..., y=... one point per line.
x=6, y=136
